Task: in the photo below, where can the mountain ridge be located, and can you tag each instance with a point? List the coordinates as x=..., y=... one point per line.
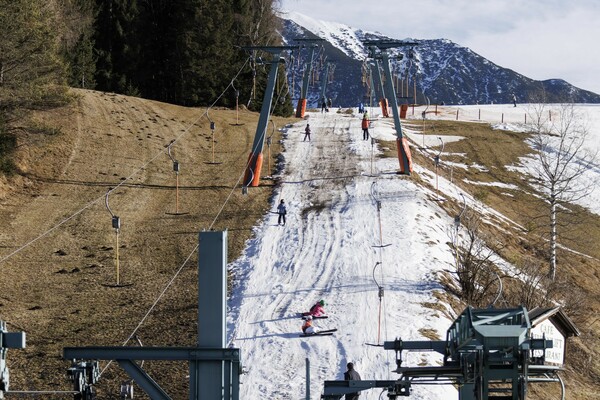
x=445, y=72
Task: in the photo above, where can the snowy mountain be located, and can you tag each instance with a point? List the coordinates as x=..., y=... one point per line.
x=445, y=71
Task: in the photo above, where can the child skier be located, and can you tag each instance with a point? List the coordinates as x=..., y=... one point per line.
x=308, y=328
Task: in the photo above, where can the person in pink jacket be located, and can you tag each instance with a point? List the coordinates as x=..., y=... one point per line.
x=317, y=310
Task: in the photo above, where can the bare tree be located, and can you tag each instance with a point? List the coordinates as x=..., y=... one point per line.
x=476, y=273
x=561, y=158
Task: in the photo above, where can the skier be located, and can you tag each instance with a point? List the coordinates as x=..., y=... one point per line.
x=281, y=210
x=365, y=126
x=361, y=108
x=308, y=328
x=323, y=105
x=329, y=104
x=514, y=100
x=307, y=133
x=317, y=309
x=351, y=375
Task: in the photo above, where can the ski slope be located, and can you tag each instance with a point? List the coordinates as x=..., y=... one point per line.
x=328, y=250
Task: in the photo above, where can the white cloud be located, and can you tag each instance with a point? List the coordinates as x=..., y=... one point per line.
x=541, y=39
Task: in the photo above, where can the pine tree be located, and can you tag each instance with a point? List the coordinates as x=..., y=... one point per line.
x=29, y=60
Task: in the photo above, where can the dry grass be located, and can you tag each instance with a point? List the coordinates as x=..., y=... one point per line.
x=486, y=153
x=60, y=288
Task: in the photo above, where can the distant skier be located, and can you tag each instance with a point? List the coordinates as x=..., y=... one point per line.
x=365, y=126
x=323, y=105
x=307, y=133
x=514, y=100
x=351, y=375
x=281, y=210
x=361, y=108
x=307, y=326
x=329, y=104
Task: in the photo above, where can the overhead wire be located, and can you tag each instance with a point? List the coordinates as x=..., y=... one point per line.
x=180, y=268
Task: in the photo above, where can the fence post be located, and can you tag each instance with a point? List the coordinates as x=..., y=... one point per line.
x=480, y=114
x=525, y=118
x=502, y=117
x=457, y=114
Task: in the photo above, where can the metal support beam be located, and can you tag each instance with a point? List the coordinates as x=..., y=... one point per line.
x=214, y=369
x=378, y=50
x=252, y=176
x=312, y=46
x=143, y=380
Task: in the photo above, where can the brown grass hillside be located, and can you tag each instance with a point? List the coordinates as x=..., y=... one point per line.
x=58, y=245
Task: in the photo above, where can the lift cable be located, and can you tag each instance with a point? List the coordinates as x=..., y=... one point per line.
x=178, y=271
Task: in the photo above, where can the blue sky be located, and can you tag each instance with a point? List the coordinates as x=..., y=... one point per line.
x=541, y=39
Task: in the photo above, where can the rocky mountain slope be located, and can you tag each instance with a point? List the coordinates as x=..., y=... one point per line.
x=444, y=71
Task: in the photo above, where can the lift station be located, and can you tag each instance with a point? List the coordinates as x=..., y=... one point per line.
x=490, y=354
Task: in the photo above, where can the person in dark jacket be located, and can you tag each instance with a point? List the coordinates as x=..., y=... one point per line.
x=307, y=133
x=281, y=210
x=351, y=375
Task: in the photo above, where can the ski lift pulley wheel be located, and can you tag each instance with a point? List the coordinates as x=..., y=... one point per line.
x=212, y=125
x=176, y=166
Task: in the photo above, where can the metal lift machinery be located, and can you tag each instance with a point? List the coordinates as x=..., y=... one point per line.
x=488, y=354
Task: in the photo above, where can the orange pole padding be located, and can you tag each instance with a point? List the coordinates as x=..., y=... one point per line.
x=404, y=156
x=383, y=103
x=301, y=109
x=252, y=175
x=403, y=110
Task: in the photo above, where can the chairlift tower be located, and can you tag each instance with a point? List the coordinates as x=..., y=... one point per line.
x=312, y=45
x=252, y=175
x=378, y=87
x=329, y=65
x=378, y=50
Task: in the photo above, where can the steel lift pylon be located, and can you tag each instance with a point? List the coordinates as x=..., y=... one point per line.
x=328, y=66
x=488, y=354
x=378, y=50
x=312, y=45
x=255, y=159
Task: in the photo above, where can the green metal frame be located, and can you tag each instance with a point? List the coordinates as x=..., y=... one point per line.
x=487, y=353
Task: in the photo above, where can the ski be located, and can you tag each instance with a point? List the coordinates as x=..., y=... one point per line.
x=327, y=332
x=304, y=315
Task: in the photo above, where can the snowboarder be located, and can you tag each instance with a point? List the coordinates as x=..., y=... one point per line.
x=514, y=100
x=308, y=328
x=351, y=375
x=317, y=309
x=365, y=126
x=307, y=133
x=281, y=210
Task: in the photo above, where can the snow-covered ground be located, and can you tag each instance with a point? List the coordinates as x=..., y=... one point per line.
x=331, y=249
